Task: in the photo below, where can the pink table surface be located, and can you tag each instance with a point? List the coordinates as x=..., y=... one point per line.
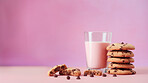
x=38, y=74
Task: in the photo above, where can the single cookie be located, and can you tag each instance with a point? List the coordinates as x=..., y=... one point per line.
x=119, y=65
x=120, y=53
x=56, y=68
x=121, y=71
x=120, y=46
x=120, y=60
x=95, y=72
x=71, y=71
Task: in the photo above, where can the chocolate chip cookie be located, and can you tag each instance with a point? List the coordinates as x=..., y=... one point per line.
x=56, y=69
x=121, y=71
x=118, y=65
x=120, y=53
x=120, y=60
x=120, y=46
x=94, y=72
x=71, y=71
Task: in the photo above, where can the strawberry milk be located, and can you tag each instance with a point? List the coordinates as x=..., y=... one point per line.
x=96, y=54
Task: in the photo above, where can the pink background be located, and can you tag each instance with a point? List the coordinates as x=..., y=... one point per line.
x=50, y=32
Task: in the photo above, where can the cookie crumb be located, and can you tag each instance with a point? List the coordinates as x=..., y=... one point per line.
x=68, y=77
x=104, y=75
x=78, y=77
x=114, y=75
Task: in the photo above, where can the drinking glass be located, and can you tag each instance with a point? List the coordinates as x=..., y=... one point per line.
x=95, y=46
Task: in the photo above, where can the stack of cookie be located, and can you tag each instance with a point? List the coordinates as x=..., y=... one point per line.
x=120, y=59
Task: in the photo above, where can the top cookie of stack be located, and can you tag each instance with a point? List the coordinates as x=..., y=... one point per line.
x=120, y=58
x=120, y=46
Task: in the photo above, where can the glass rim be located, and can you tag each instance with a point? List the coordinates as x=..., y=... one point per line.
x=97, y=31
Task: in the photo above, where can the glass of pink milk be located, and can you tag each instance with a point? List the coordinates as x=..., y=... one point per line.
x=95, y=46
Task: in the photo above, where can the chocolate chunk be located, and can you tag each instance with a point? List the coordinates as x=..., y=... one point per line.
x=120, y=47
x=57, y=69
x=61, y=73
x=55, y=75
x=91, y=75
x=104, y=75
x=122, y=43
x=51, y=72
x=108, y=72
x=113, y=45
x=97, y=72
x=73, y=69
x=112, y=53
x=114, y=75
x=133, y=72
x=115, y=71
x=78, y=77
x=68, y=77
x=62, y=67
x=123, y=61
